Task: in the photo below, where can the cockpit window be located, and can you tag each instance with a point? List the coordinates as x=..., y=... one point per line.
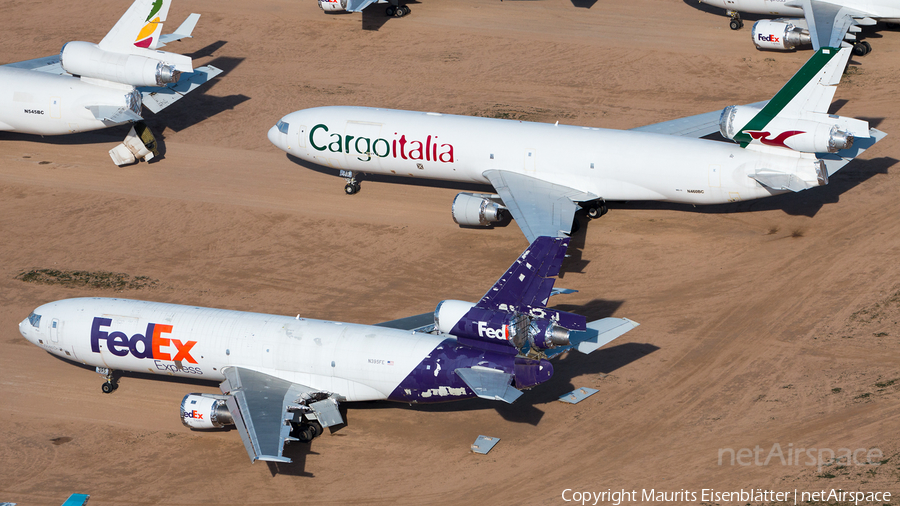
x=282, y=126
x=34, y=320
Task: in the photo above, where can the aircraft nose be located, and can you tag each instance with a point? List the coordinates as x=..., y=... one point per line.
x=25, y=329
x=277, y=138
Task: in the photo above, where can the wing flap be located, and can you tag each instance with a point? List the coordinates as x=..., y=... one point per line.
x=157, y=99
x=259, y=404
x=539, y=207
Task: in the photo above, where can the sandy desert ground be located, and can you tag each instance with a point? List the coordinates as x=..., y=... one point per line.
x=762, y=323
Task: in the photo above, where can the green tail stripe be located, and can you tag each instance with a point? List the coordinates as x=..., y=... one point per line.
x=154, y=8
x=787, y=93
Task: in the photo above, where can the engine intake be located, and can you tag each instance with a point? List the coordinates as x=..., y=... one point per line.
x=476, y=209
x=779, y=34
x=205, y=411
x=88, y=60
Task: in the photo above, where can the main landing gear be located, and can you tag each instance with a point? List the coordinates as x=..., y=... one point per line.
x=397, y=11
x=736, y=22
x=352, y=186
x=110, y=385
x=307, y=431
x=862, y=48
x=595, y=209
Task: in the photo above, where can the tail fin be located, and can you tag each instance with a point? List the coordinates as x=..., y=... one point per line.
x=797, y=116
x=809, y=91
x=140, y=26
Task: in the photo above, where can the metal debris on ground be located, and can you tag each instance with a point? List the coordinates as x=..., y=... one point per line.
x=578, y=395
x=484, y=444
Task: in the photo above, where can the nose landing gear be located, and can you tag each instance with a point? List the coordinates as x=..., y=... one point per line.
x=736, y=22
x=352, y=186
x=110, y=385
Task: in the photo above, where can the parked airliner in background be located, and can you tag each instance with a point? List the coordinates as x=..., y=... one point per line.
x=283, y=375
x=543, y=173
x=817, y=23
x=92, y=86
x=392, y=10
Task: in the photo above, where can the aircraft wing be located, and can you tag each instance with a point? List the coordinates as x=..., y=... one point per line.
x=540, y=208
x=697, y=126
x=828, y=23
x=157, y=99
x=421, y=322
x=49, y=64
x=262, y=405
x=358, y=5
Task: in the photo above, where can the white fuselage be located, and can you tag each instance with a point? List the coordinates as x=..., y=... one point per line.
x=42, y=103
x=884, y=10
x=356, y=362
x=610, y=164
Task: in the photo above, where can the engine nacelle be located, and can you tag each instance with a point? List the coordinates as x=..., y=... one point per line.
x=779, y=34
x=831, y=135
x=88, y=60
x=449, y=312
x=463, y=319
x=333, y=5
x=476, y=209
x=205, y=411
x=544, y=334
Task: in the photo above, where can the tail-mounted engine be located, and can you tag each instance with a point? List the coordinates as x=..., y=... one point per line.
x=88, y=60
x=477, y=209
x=205, y=411
x=539, y=328
x=333, y=5
x=780, y=34
x=139, y=144
x=821, y=133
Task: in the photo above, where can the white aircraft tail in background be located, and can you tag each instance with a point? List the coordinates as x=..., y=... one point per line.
x=92, y=86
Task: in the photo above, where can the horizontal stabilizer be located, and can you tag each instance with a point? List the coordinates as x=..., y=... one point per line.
x=597, y=334
x=113, y=114
x=489, y=384
x=834, y=161
x=182, y=32
x=157, y=99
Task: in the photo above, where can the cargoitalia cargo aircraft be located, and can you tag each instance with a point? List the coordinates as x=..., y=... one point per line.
x=282, y=377
x=811, y=22
x=92, y=86
x=543, y=173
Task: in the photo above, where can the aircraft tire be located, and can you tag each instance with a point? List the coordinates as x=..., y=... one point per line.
x=868, y=46
x=736, y=24
x=351, y=189
x=390, y=11
x=859, y=49
x=107, y=388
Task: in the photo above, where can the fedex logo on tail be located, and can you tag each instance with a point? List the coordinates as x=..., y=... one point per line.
x=151, y=344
